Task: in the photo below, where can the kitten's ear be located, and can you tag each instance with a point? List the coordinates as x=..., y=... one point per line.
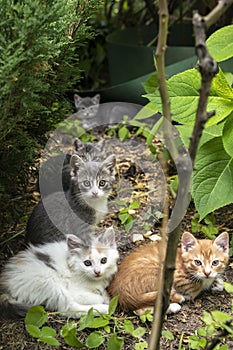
x=110, y=163
x=74, y=242
x=96, y=99
x=108, y=237
x=75, y=162
x=188, y=242
x=222, y=242
x=77, y=100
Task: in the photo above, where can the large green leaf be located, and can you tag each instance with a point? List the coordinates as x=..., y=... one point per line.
x=213, y=178
x=183, y=89
x=228, y=136
x=220, y=44
x=209, y=133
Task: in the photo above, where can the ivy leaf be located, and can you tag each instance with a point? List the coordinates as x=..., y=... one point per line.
x=212, y=179
x=115, y=342
x=94, y=340
x=113, y=305
x=68, y=332
x=220, y=44
x=36, y=316
x=47, y=335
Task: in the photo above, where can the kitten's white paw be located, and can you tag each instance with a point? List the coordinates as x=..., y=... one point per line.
x=217, y=285
x=102, y=308
x=173, y=308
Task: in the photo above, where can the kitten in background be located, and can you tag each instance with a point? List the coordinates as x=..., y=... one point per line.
x=68, y=276
x=199, y=265
x=57, y=168
x=94, y=114
x=79, y=209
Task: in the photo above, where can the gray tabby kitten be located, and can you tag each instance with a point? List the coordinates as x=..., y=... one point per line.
x=96, y=115
x=72, y=212
x=68, y=276
x=55, y=165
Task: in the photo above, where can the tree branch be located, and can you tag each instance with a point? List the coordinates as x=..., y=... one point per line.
x=208, y=69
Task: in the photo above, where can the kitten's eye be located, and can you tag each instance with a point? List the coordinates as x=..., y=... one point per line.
x=102, y=183
x=87, y=263
x=215, y=262
x=87, y=183
x=197, y=262
x=103, y=260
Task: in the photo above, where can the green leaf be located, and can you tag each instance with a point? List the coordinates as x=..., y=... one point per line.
x=220, y=44
x=185, y=132
x=124, y=218
x=47, y=332
x=34, y=331
x=123, y=133
x=94, y=340
x=212, y=180
x=113, y=305
x=168, y=335
x=207, y=318
x=228, y=287
x=134, y=205
x=128, y=326
x=138, y=332
x=183, y=89
x=85, y=320
x=141, y=346
x=145, y=112
x=129, y=225
x=36, y=315
x=50, y=340
x=220, y=316
x=228, y=136
x=151, y=84
x=154, y=131
x=115, y=342
x=68, y=332
x=98, y=322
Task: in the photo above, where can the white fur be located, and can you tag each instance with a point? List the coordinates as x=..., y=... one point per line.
x=69, y=285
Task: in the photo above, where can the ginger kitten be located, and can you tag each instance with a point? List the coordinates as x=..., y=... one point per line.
x=199, y=263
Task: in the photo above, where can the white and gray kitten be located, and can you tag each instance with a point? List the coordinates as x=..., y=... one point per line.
x=67, y=276
x=84, y=205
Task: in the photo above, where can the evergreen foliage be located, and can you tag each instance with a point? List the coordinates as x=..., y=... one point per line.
x=39, y=64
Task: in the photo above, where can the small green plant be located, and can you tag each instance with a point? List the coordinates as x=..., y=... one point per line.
x=207, y=227
x=217, y=327
x=126, y=215
x=105, y=329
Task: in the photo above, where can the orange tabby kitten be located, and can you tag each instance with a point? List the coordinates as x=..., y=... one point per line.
x=199, y=263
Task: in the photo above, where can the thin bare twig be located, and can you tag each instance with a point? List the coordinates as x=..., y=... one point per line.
x=208, y=69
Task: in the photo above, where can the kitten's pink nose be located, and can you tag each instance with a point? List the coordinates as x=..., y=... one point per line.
x=95, y=193
x=207, y=273
x=97, y=272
